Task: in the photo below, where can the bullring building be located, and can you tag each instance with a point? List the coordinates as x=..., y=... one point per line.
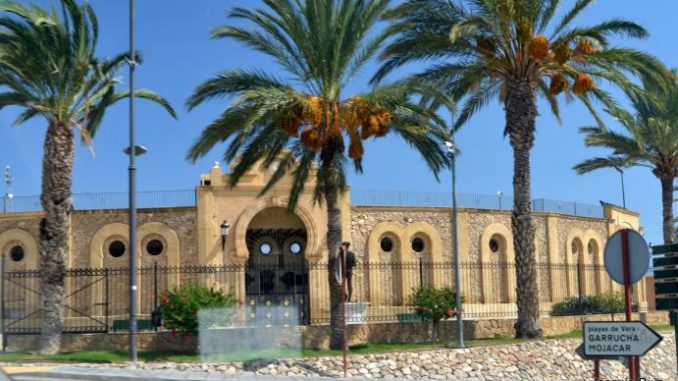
x=251, y=245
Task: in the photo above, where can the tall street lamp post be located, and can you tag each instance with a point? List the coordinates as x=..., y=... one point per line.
x=132, y=151
x=451, y=154
x=621, y=172
x=8, y=190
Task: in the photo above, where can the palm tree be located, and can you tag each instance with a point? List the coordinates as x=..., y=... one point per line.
x=48, y=67
x=303, y=123
x=514, y=51
x=649, y=139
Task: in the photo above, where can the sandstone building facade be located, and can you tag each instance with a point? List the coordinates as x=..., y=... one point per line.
x=398, y=247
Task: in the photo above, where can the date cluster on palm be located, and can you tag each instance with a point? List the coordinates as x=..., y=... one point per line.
x=554, y=57
x=321, y=121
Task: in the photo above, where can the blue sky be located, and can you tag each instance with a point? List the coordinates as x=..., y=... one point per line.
x=173, y=36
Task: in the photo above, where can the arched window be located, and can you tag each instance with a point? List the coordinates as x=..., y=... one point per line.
x=579, y=268
x=499, y=266
x=117, y=248
x=593, y=250
x=420, y=251
x=17, y=253
x=386, y=244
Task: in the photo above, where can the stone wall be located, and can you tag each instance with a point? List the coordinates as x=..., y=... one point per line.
x=183, y=221
x=317, y=336
x=554, y=237
x=577, y=227
x=534, y=360
x=84, y=228
x=365, y=218
x=24, y=230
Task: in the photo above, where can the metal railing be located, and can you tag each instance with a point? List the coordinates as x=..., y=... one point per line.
x=468, y=200
x=182, y=198
x=108, y=200
x=97, y=299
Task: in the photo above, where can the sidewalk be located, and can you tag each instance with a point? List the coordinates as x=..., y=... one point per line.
x=96, y=374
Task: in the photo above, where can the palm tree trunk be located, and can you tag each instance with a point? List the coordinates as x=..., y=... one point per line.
x=521, y=112
x=667, y=210
x=57, y=169
x=334, y=234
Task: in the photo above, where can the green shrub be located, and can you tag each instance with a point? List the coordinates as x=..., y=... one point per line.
x=607, y=303
x=434, y=304
x=180, y=306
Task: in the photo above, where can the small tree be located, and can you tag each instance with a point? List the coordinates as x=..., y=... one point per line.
x=49, y=69
x=180, y=307
x=434, y=304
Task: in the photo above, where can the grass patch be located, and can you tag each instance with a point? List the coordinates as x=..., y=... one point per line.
x=97, y=357
x=576, y=334
x=662, y=327
x=272, y=354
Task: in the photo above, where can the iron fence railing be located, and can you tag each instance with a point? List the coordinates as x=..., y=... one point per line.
x=468, y=200
x=97, y=300
x=107, y=200
x=182, y=198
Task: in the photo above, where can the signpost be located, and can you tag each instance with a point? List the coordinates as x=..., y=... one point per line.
x=638, y=256
x=340, y=275
x=626, y=261
x=618, y=339
x=665, y=263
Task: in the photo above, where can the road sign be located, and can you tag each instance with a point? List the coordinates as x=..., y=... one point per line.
x=580, y=352
x=666, y=261
x=666, y=272
x=664, y=249
x=639, y=257
x=665, y=288
x=628, y=338
x=666, y=304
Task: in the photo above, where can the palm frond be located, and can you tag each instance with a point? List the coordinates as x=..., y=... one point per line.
x=594, y=164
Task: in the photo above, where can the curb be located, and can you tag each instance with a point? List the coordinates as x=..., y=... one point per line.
x=111, y=377
x=108, y=375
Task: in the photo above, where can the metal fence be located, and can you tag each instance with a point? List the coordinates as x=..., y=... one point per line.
x=97, y=300
x=181, y=198
x=107, y=200
x=468, y=200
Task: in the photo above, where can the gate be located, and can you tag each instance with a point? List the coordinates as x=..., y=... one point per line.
x=85, y=302
x=277, y=275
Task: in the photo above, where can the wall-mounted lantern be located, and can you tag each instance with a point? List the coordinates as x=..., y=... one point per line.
x=225, y=228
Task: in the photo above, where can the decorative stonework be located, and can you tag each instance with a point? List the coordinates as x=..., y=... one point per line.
x=22, y=238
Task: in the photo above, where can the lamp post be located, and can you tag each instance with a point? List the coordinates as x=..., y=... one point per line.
x=8, y=193
x=451, y=154
x=225, y=228
x=621, y=172
x=132, y=151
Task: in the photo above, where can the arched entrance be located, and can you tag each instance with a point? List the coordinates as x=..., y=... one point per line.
x=277, y=270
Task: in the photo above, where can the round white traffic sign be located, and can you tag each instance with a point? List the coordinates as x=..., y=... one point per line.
x=639, y=256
